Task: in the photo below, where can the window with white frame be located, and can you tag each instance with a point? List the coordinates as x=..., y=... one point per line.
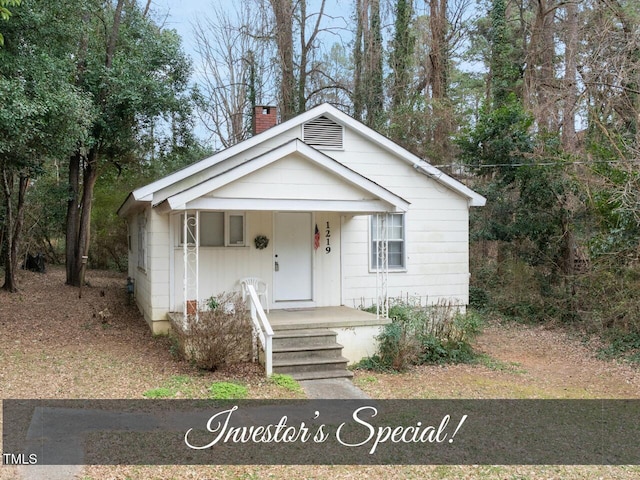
x=212, y=229
x=235, y=230
x=142, y=241
x=395, y=234
x=216, y=229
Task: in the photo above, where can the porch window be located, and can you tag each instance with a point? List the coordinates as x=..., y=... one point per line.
x=235, y=224
x=395, y=241
x=217, y=229
x=211, y=229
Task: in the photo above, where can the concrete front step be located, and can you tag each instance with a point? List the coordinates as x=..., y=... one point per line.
x=309, y=353
x=309, y=365
x=333, y=350
x=284, y=339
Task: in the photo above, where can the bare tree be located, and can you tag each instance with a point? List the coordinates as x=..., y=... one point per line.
x=233, y=71
x=441, y=31
x=541, y=87
x=308, y=73
x=570, y=96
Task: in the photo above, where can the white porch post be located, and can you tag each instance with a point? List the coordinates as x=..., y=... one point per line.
x=382, y=265
x=190, y=245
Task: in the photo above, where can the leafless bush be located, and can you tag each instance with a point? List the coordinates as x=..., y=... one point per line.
x=221, y=334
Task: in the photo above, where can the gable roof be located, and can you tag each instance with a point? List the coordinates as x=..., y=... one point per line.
x=146, y=193
x=179, y=200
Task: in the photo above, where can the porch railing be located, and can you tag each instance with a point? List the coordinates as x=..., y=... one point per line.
x=262, y=327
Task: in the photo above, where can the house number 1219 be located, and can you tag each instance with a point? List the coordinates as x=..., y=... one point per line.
x=327, y=235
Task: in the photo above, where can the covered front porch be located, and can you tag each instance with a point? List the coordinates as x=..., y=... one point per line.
x=300, y=204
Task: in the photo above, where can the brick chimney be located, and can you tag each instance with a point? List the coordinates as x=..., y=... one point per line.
x=264, y=118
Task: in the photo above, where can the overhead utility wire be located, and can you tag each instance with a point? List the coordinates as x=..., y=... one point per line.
x=544, y=164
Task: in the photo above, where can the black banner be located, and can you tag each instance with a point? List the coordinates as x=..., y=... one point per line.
x=315, y=432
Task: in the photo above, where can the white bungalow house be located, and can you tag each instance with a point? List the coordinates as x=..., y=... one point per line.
x=351, y=218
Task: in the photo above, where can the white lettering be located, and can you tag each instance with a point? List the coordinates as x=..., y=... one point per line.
x=220, y=427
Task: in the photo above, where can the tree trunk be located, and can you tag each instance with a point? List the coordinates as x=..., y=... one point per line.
x=540, y=72
x=375, y=109
x=283, y=12
x=437, y=54
x=13, y=226
x=7, y=190
x=401, y=55
x=362, y=26
x=90, y=175
x=569, y=141
x=368, y=91
x=78, y=232
x=439, y=60
x=79, y=221
x=304, y=56
x=73, y=216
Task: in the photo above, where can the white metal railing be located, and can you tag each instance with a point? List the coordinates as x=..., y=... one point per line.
x=262, y=328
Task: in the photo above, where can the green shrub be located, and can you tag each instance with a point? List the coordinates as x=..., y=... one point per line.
x=373, y=363
x=435, y=350
x=478, y=297
x=622, y=345
x=417, y=335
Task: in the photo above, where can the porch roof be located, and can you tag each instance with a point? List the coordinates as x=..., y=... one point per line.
x=223, y=192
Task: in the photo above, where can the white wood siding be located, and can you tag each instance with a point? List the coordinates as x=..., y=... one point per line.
x=292, y=178
x=221, y=267
x=436, y=238
x=327, y=283
x=141, y=278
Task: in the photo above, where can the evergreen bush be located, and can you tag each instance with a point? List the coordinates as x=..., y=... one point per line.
x=417, y=334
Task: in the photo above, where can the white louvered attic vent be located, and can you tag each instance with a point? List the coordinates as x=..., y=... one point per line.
x=323, y=133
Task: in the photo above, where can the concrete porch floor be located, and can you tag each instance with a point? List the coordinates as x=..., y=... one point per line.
x=322, y=317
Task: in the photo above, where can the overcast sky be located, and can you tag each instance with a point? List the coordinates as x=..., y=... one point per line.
x=180, y=15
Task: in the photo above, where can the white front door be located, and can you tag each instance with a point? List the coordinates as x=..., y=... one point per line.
x=292, y=261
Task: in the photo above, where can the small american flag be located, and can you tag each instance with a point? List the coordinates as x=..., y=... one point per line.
x=316, y=238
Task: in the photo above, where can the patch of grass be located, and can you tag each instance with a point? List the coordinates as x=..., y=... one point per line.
x=368, y=379
x=182, y=384
x=227, y=391
x=498, y=365
x=160, y=392
x=287, y=382
x=179, y=380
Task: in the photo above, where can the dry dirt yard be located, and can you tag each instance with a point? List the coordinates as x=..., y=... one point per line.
x=56, y=345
